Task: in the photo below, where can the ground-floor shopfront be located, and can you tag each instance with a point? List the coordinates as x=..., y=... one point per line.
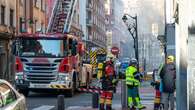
x=6, y=58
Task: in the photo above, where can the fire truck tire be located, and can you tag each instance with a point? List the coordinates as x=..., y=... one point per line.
x=71, y=92
x=87, y=80
x=24, y=92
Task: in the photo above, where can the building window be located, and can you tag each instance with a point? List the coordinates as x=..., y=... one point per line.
x=11, y=17
x=36, y=25
x=2, y=14
x=94, y=36
x=43, y=5
x=22, y=24
x=94, y=19
x=37, y=3
x=42, y=27
x=78, y=19
x=21, y=2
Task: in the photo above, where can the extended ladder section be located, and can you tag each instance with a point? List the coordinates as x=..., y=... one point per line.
x=61, y=17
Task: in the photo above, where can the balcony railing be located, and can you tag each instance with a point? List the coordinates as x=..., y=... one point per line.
x=89, y=7
x=89, y=22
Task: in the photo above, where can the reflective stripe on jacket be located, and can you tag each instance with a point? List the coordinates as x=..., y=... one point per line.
x=130, y=76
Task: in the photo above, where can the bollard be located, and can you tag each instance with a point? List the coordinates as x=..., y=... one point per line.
x=60, y=102
x=124, y=97
x=95, y=100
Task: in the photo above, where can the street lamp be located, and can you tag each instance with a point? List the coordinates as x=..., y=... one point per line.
x=132, y=28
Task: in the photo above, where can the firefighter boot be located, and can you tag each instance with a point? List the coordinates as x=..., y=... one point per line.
x=108, y=104
x=102, y=104
x=108, y=107
x=130, y=102
x=102, y=107
x=138, y=104
x=157, y=100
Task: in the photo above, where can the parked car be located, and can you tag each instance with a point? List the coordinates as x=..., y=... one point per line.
x=10, y=99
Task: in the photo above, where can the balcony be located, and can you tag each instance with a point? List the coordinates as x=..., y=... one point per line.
x=89, y=7
x=89, y=22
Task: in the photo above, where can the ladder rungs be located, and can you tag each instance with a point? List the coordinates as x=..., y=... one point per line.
x=63, y=15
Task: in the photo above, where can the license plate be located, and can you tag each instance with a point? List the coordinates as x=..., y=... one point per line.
x=39, y=86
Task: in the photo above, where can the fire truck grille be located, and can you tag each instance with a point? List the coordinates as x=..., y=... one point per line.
x=41, y=73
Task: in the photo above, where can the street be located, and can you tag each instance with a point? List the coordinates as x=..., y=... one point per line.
x=37, y=101
x=79, y=50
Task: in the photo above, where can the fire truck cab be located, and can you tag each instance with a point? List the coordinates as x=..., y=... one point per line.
x=48, y=61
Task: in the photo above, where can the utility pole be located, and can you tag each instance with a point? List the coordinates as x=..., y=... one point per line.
x=136, y=43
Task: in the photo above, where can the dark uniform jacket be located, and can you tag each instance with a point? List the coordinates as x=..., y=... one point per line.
x=168, y=76
x=107, y=84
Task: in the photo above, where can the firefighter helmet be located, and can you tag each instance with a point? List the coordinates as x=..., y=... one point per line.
x=109, y=62
x=171, y=58
x=133, y=61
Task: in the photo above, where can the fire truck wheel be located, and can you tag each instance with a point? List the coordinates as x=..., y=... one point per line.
x=24, y=92
x=87, y=80
x=71, y=92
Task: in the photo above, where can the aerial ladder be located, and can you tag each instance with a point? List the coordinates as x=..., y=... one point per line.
x=61, y=17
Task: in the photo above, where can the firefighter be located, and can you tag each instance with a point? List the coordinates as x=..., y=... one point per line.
x=108, y=81
x=110, y=69
x=156, y=84
x=133, y=82
x=100, y=70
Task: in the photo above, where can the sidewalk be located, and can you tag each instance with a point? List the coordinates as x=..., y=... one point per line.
x=146, y=94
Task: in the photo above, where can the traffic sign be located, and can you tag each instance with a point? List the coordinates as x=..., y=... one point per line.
x=115, y=50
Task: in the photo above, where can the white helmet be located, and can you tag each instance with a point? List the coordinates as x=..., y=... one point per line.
x=133, y=61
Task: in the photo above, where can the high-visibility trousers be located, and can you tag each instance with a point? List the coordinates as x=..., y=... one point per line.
x=106, y=97
x=133, y=92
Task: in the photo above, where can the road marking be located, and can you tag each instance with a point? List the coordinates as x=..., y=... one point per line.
x=147, y=102
x=44, y=107
x=78, y=108
x=115, y=106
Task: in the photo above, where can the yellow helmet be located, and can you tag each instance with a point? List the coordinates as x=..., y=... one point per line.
x=171, y=58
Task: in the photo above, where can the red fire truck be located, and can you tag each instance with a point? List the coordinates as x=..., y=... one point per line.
x=49, y=61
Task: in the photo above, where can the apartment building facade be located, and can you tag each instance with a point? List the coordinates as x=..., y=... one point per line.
x=98, y=31
x=75, y=26
x=96, y=23
x=31, y=16
x=7, y=31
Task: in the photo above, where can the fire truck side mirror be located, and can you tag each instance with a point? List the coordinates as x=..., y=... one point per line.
x=74, y=48
x=80, y=48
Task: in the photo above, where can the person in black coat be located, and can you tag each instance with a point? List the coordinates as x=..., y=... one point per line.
x=168, y=77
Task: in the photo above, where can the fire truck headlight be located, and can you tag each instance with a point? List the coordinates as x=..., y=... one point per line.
x=19, y=76
x=67, y=78
x=64, y=77
x=16, y=77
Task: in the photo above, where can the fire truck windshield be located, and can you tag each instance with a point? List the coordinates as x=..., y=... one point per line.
x=41, y=48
